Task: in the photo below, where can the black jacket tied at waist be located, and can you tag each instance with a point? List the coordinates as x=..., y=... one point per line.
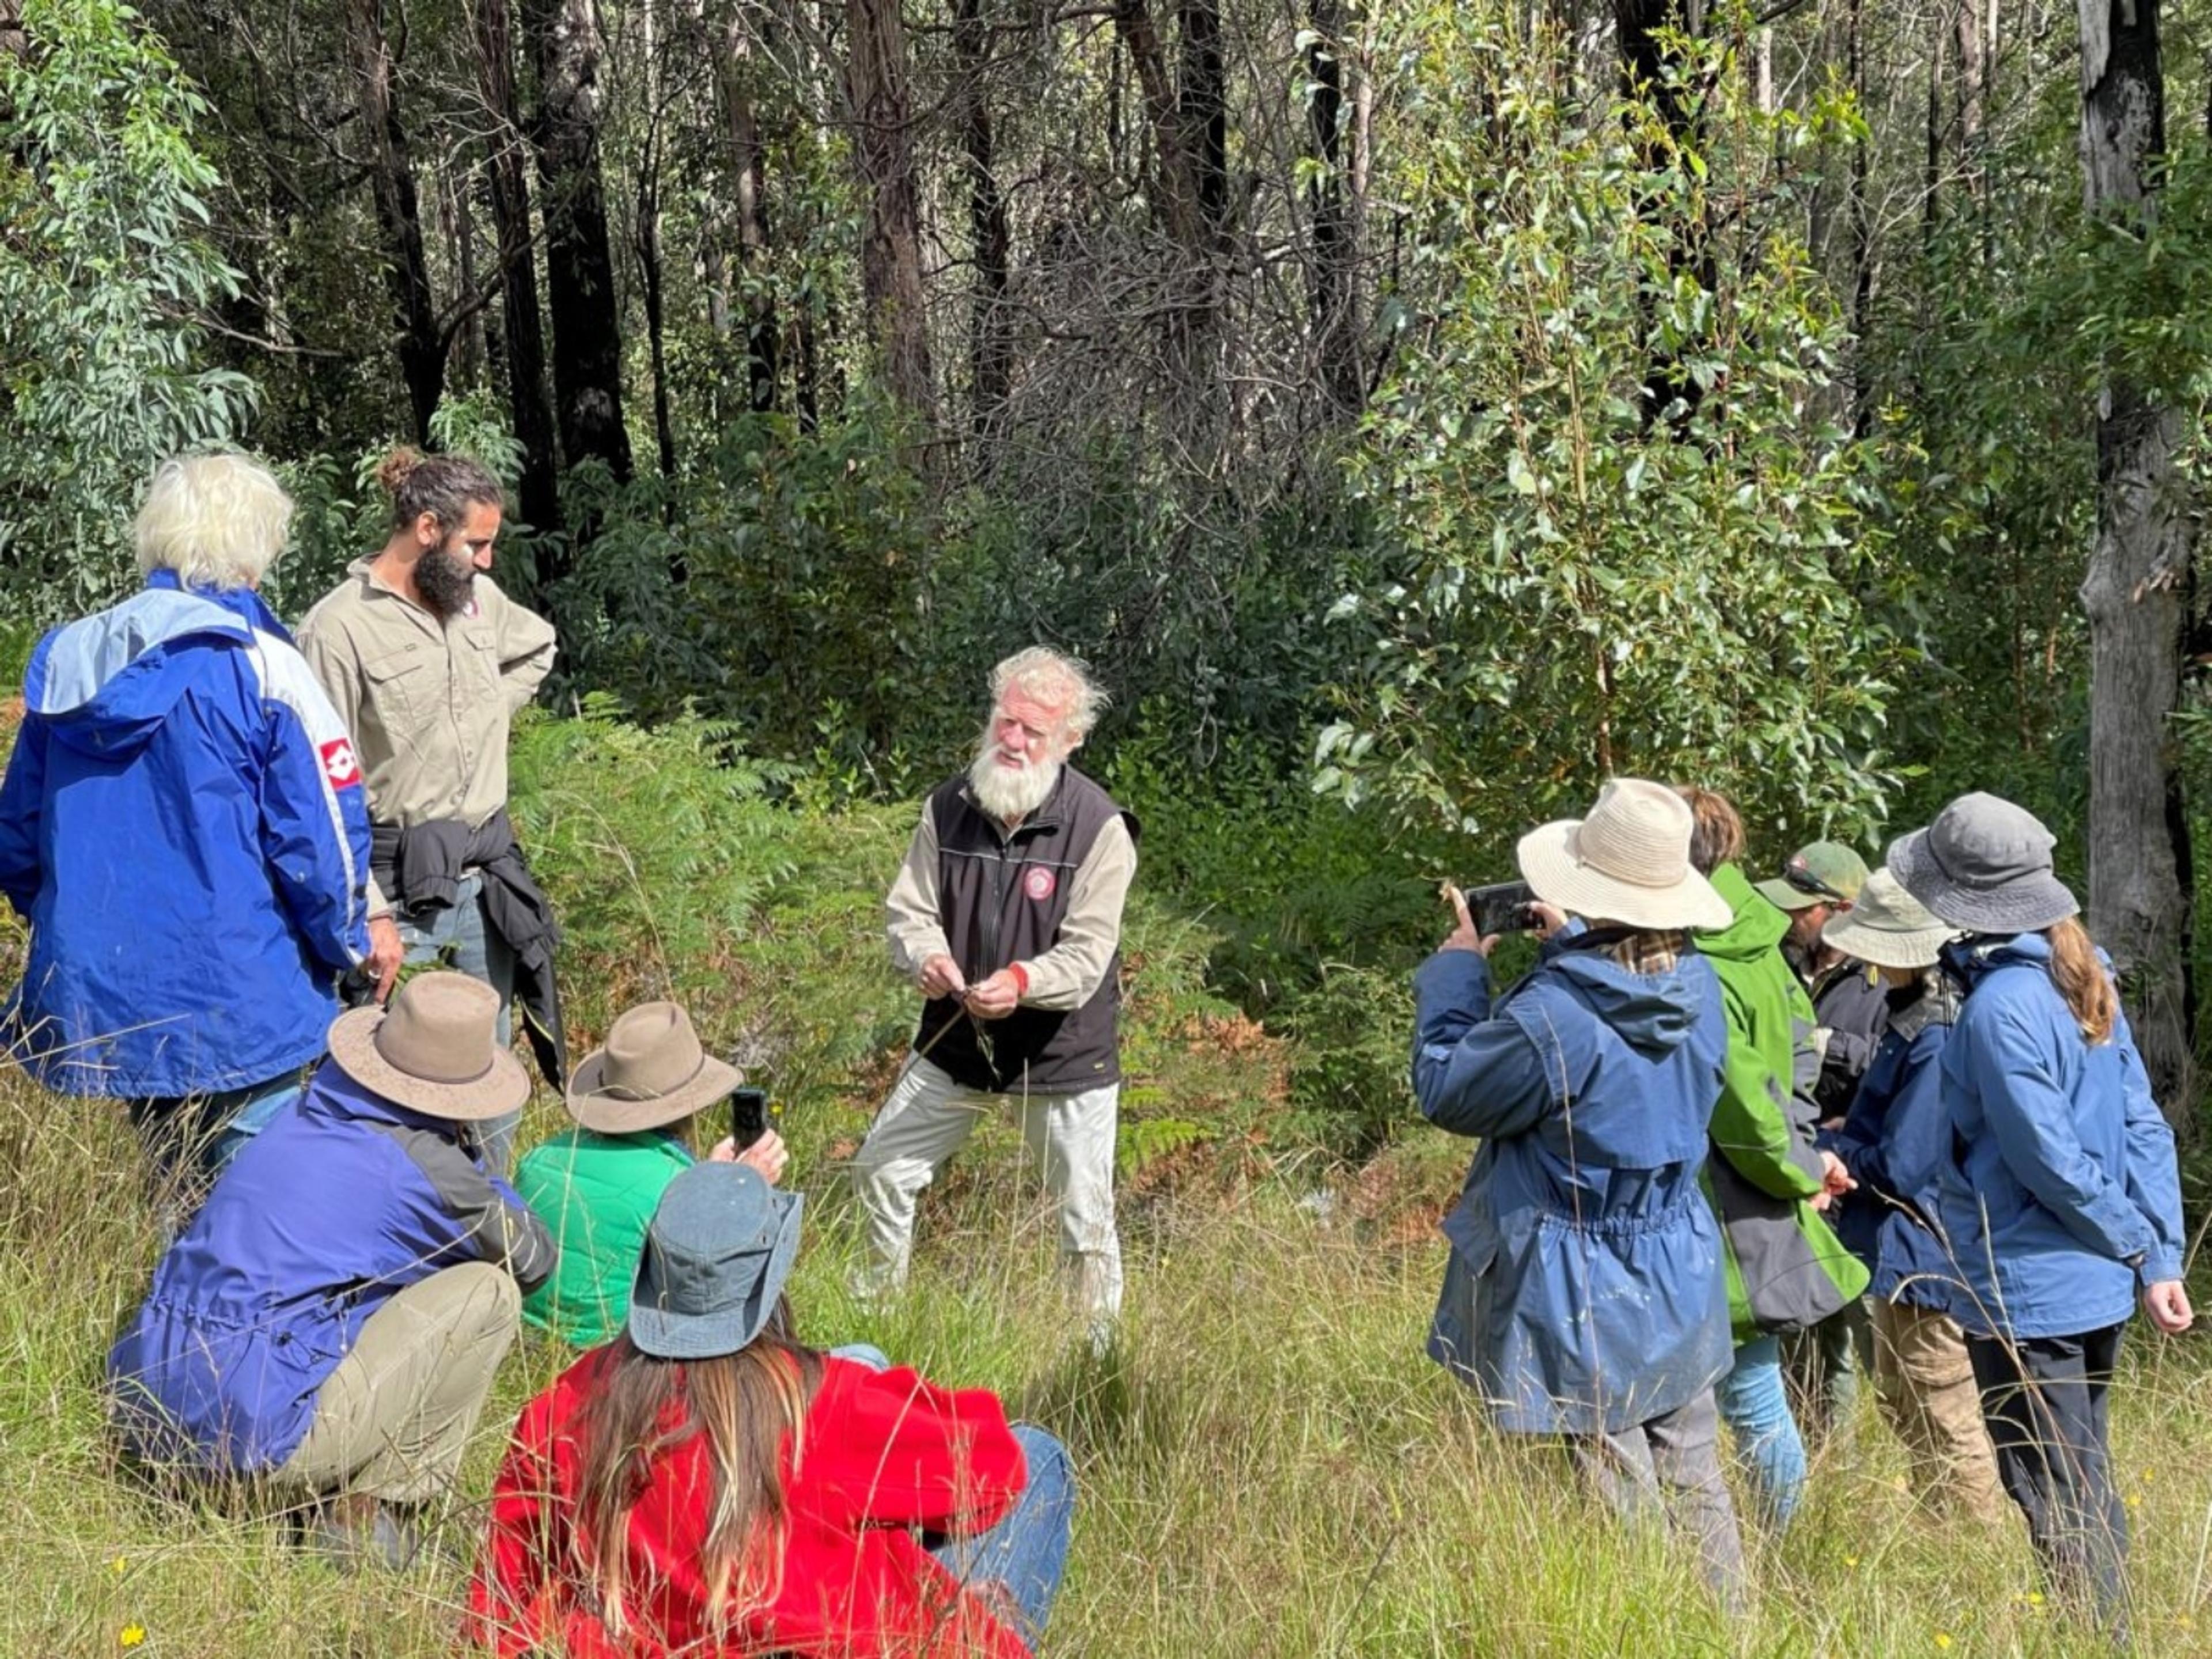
x=420, y=870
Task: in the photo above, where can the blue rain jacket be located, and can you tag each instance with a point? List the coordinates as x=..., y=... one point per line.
x=1895, y=1143
x=2059, y=1195
x=339, y=1204
x=184, y=825
x=1584, y=1292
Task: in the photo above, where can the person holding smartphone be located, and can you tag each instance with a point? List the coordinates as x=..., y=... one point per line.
x=636, y=1102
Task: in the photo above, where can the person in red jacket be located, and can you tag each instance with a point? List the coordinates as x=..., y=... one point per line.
x=706, y=1484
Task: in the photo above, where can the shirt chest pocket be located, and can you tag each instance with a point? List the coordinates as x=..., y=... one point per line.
x=402, y=688
x=475, y=664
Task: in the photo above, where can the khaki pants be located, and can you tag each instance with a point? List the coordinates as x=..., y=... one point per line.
x=1926, y=1383
x=1069, y=1140
x=394, y=1417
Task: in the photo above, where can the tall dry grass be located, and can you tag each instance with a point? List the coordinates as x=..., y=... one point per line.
x=1269, y=1466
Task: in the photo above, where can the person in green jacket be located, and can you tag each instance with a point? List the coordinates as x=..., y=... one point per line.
x=595, y=1187
x=1787, y=1271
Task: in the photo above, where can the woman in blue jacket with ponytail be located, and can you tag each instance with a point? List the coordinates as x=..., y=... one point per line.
x=2060, y=1200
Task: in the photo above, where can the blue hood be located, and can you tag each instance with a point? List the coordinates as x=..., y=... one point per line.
x=1651, y=1012
x=106, y=683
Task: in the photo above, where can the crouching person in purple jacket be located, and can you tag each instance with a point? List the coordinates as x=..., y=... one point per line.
x=329, y=1323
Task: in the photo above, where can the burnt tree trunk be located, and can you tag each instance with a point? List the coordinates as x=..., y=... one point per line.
x=564, y=42
x=2140, y=896
x=398, y=215
x=1650, y=74
x=1333, y=297
x=745, y=212
x=650, y=266
x=891, y=245
x=522, y=323
x=990, y=338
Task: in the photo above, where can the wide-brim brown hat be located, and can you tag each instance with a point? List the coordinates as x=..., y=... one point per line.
x=434, y=1049
x=653, y=1072
x=1628, y=861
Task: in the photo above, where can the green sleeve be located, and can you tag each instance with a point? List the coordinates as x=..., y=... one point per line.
x=1750, y=1126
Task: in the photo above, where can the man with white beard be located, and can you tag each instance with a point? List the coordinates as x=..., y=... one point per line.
x=1008, y=914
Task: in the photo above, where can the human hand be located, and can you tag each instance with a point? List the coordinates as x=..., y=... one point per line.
x=386, y=953
x=1835, y=1179
x=2168, y=1304
x=941, y=977
x=996, y=997
x=1464, y=937
x=1549, y=918
x=766, y=1157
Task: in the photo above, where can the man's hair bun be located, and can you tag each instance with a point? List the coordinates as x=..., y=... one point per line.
x=393, y=471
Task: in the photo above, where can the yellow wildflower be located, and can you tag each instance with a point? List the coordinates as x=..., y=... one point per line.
x=1942, y=1639
x=132, y=1635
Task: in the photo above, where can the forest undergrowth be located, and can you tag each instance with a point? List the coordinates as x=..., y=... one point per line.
x=1267, y=1463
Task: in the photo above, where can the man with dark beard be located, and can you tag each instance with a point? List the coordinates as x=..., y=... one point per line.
x=1007, y=914
x=427, y=661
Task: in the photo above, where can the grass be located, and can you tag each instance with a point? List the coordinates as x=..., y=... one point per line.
x=1269, y=1466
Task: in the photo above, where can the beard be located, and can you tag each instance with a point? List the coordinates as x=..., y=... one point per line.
x=1009, y=794
x=446, y=579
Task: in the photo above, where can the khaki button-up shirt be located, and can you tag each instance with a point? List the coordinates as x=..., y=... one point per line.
x=428, y=703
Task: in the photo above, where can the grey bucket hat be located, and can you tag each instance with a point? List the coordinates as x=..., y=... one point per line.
x=1983, y=867
x=716, y=1255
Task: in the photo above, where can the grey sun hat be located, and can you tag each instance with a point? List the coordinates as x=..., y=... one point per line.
x=1983, y=867
x=434, y=1050
x=1628, y=861
x=717, y=1253
x=1887, y=927
x=651, y=1073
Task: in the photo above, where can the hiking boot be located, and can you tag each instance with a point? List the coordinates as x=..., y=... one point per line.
x=358, y=1530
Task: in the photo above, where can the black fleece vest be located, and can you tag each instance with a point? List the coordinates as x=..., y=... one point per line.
x=1001, y=897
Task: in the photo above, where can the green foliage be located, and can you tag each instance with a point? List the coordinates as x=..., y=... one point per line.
x=1351, y=1088
x=1286, y=880
x=104, y=263
x=1586, y=590
x=662, y=842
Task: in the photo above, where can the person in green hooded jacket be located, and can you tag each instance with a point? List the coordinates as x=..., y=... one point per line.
x=1787, y=1271
x=596, y=1186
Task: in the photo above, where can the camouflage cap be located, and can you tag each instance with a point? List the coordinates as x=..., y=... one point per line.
x=1826, y=871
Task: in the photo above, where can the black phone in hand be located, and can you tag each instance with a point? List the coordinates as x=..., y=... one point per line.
x=751, y=1115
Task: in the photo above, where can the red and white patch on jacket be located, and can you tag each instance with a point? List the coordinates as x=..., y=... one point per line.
x=340, y=765
x=1038, y=882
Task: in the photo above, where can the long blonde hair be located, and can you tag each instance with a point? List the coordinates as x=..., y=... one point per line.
x=745, y=1404
x=2081, y=980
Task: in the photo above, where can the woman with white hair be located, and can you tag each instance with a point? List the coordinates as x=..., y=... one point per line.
x=184, y=828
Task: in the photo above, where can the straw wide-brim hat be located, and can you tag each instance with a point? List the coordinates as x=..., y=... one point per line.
x=1887, y=927
x=434, y=1050
x=653, y=1072
x=1985, y=867
x=717, y=1252
x=1628, y=861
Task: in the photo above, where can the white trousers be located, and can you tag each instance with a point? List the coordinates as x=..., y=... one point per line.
x=1067, y=1138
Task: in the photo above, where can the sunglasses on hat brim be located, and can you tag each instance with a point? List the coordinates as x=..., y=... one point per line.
x=1806, y=882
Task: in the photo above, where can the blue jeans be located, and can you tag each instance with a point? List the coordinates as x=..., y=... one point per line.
x=1755, y=1405
x=191, y=1139
x=457, y=938
x=1027, y=1551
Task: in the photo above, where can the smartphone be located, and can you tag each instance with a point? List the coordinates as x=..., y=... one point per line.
x=1504, y=907
x=751, y=1115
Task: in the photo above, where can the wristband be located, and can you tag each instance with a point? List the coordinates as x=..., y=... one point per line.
x=1021, y=978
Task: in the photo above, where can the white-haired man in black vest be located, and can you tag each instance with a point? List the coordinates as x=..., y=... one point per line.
x=1007, y=914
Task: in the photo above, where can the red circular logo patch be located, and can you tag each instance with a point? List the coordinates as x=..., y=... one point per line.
x=1039, y=881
